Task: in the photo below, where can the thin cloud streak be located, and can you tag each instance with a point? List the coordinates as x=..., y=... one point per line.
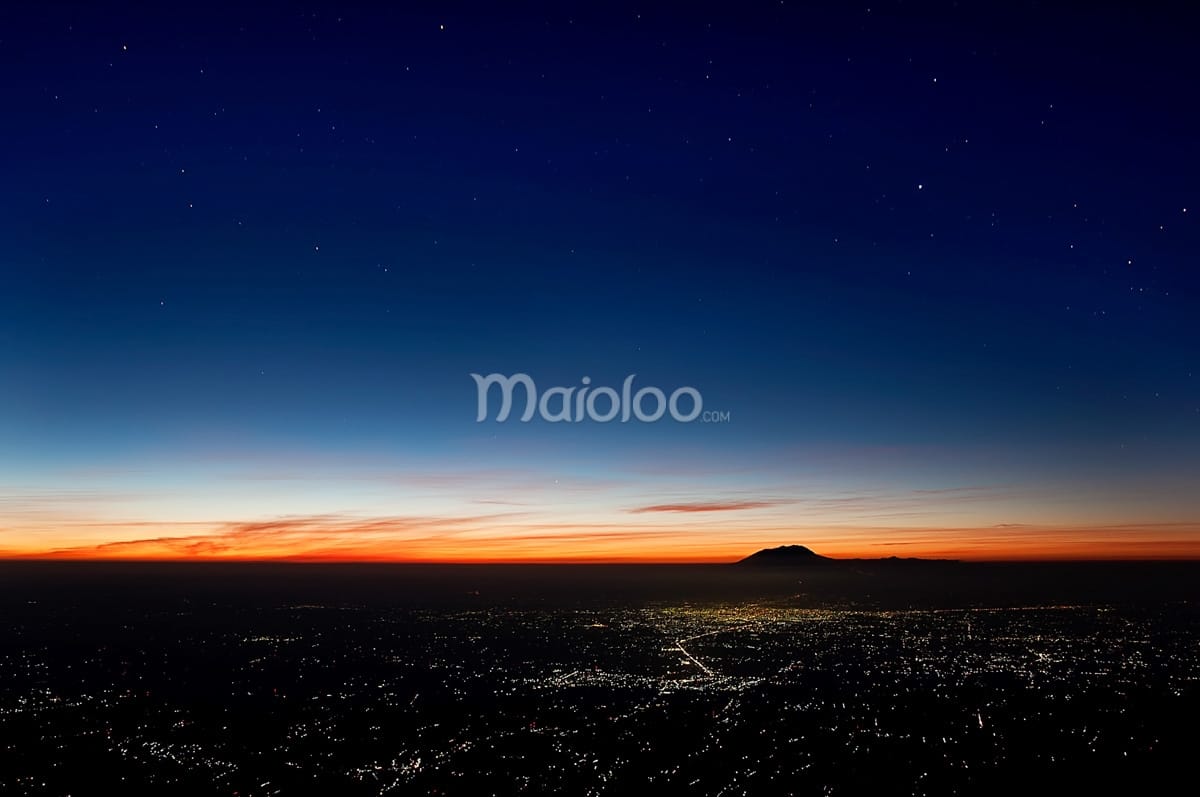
x=716, y=506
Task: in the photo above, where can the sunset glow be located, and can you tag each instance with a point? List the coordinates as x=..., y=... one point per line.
x=581, y=514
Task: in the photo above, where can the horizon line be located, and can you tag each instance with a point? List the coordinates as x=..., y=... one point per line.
x=598, y=561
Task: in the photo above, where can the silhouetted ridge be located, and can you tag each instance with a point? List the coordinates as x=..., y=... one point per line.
x=785, y=555
x=790, y=555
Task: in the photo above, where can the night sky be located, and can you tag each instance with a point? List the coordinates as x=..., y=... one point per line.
x=938, y=263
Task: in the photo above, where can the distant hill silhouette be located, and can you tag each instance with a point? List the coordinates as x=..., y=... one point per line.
x=791, y=555
x=785, y=555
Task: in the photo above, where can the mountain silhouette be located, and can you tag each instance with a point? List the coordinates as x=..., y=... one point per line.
x=785, y=555
x=792, y=555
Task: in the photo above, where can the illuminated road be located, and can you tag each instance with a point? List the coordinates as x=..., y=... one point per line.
x=696, y=661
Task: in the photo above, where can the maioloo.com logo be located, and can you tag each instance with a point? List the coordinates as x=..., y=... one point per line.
x=599, y=404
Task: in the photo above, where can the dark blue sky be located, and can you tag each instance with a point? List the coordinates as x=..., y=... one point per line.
x=292, y=231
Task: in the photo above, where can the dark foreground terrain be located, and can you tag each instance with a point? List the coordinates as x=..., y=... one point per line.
x=875, y=678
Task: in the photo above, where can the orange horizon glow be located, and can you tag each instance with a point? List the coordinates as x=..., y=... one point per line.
x=300, y=560
x=370, y=513
x=308, y=541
